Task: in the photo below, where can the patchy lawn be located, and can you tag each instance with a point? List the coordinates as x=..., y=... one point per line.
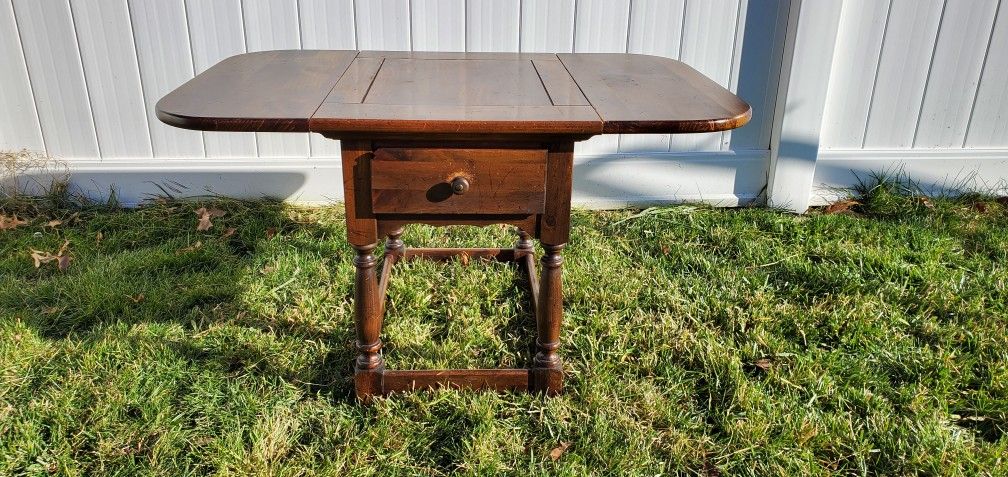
x=697, y=341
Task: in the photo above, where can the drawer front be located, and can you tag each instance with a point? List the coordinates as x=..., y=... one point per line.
x=458, y=181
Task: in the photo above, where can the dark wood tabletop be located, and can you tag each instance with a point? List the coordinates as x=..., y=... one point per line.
x=341, y=93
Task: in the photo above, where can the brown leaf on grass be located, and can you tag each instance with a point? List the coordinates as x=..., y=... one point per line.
x=980, y=207
x=228, y=232
x=764, y=364
x=62, y=257
x=204, y=215
x=841, y=206
x=57, y=222
x=195, y=246
x=464, y=258
x=665, y=249
x=10, y=223
x=204, y=223
x=925, y=202
x=270, y=232
x=40, y=257
x=559, y=451
x=98, y=237
x=50, y=310
x=136, y=298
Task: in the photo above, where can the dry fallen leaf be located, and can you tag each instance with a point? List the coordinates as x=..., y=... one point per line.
x=137, y=298
x=195, y=246
x=763, y=363
x=204, y=214
x=10, y=223
x=53, y=223
x=228, y=232
x=40, y=257
x=841, y=206
x=62, y=257
x=464, y=258
x=665, y=249
x=63, y=262
x=99, y=236
x=204, y=223
x=559, y=450
x=270, y=232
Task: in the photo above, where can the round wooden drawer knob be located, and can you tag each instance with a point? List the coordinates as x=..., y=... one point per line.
x=459, y=185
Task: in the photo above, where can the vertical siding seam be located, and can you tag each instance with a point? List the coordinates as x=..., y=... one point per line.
x=574, y=30
x=783, y=82
x=573, y=23
x=140, y=81
x=465, y=25
x=297, y=14
x=87, y=91
x=682, y=30
x=626, y=46
x=520, y=12
x=31, y=84
x=983, y=66
x=878, y=66
x=626, y=49
x=732, y=72
x=192, y=62
x=241, y=11
x=682, y=41
x=927, y=79
x=356, y=38
x=409, y=19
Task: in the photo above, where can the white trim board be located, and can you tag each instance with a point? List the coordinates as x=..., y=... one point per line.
x=937, y=171
x=607, y=181
x=801, y=96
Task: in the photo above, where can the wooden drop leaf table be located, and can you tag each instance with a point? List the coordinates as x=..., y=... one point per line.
x=454, y=138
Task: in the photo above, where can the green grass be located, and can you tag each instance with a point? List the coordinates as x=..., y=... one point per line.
x=696, y=341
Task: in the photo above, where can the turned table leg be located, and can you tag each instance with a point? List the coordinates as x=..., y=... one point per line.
x=394, y=245
x=547, y=369
x=524, y=255
x=368, y=317
x=394, y=251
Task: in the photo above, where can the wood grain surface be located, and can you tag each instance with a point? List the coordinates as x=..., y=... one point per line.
x=264, y=91
x=418, y=181
x=346, y=93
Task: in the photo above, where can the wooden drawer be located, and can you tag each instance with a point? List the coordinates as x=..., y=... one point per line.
x=488, y=181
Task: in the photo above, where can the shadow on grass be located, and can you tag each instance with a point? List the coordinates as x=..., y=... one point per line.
x=149, y=268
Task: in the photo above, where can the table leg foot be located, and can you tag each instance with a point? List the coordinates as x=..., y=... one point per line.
x=368, y=319
x=547, y=367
